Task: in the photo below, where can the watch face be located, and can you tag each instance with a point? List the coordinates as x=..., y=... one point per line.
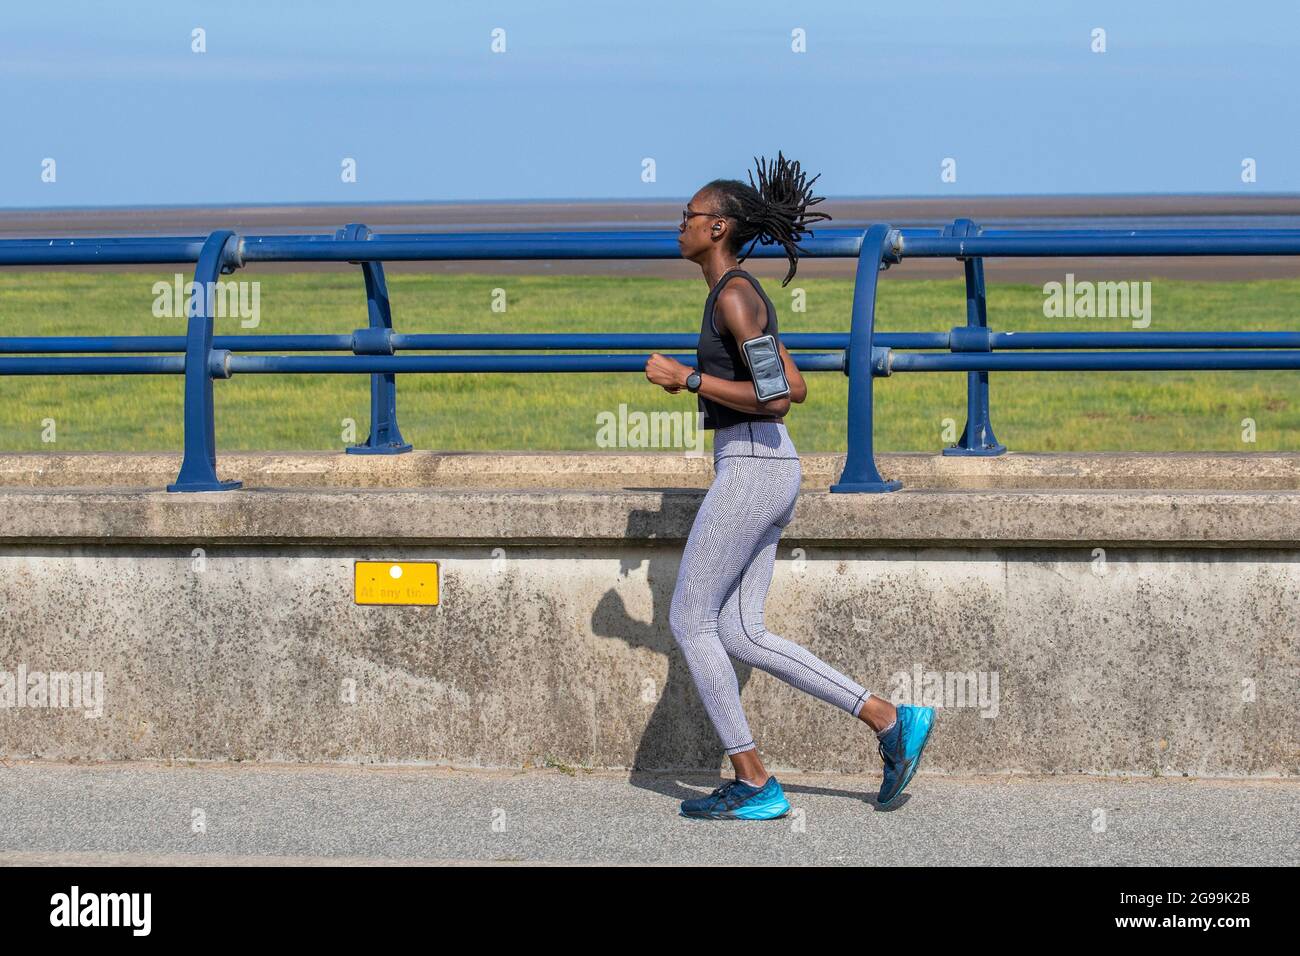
x=693, y=381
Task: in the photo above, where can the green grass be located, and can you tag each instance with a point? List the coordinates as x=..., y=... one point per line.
x=1032, y=411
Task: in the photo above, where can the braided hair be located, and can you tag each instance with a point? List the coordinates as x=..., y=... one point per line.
x=774, y=211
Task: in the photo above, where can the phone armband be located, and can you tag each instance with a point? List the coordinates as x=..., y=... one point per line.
x=766, y=367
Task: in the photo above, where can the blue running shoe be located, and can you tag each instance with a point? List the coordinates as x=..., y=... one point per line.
x=901, y=748
x=736, y=800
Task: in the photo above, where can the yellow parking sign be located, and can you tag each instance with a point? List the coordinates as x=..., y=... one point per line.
x=396, y=582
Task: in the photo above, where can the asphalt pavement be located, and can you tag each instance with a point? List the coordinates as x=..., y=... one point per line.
x=55, y=813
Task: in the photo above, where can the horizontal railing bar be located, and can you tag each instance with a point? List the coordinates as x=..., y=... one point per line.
x=554, y=246
x=815, y=362
x=141, y=241
x=95, y=365
x=1030, y=246
x=149, y=365
x=595, y=340
x=1144, y=340
x=1163, y=233
x=94, y=241
x=647, y=244
x=173, y=343
x=461, y=341
x=829, y=232
x=1092, y=361
x=808, y=361
x=93, y=252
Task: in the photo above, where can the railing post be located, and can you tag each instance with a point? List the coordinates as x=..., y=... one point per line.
x=220, y=254
x=860, y=474
x=977, y=437
x=385, y=437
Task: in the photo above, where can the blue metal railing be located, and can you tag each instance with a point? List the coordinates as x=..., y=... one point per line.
x=861, y=353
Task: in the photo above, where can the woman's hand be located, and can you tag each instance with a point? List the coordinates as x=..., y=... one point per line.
x=668, y=372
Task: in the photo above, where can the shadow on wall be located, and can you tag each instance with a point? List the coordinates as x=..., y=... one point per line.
x=678, y=735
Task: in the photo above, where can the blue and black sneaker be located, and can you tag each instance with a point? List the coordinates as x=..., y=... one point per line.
x=900, y=749
x=736, y=800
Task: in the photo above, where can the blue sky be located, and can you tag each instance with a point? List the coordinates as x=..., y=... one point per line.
x=586, y=90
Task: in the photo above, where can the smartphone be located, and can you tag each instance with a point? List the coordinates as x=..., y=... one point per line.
x=766, y=367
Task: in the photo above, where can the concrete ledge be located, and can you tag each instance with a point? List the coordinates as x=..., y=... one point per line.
x=1227, y=471
x=429, y=498
x=906, y=518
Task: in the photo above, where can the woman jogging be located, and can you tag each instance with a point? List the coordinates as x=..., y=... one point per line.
x=746, y=381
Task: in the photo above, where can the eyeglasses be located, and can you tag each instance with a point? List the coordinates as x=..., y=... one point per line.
x=687, y=214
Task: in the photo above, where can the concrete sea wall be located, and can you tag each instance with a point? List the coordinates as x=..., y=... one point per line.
x=1071, y=613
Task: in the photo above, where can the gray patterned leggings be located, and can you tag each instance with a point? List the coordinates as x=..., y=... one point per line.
x=717, y=606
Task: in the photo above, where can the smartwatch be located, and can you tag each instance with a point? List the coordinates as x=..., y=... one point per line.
x=693, y=382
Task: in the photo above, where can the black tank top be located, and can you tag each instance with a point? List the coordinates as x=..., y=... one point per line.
x=719, y=354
